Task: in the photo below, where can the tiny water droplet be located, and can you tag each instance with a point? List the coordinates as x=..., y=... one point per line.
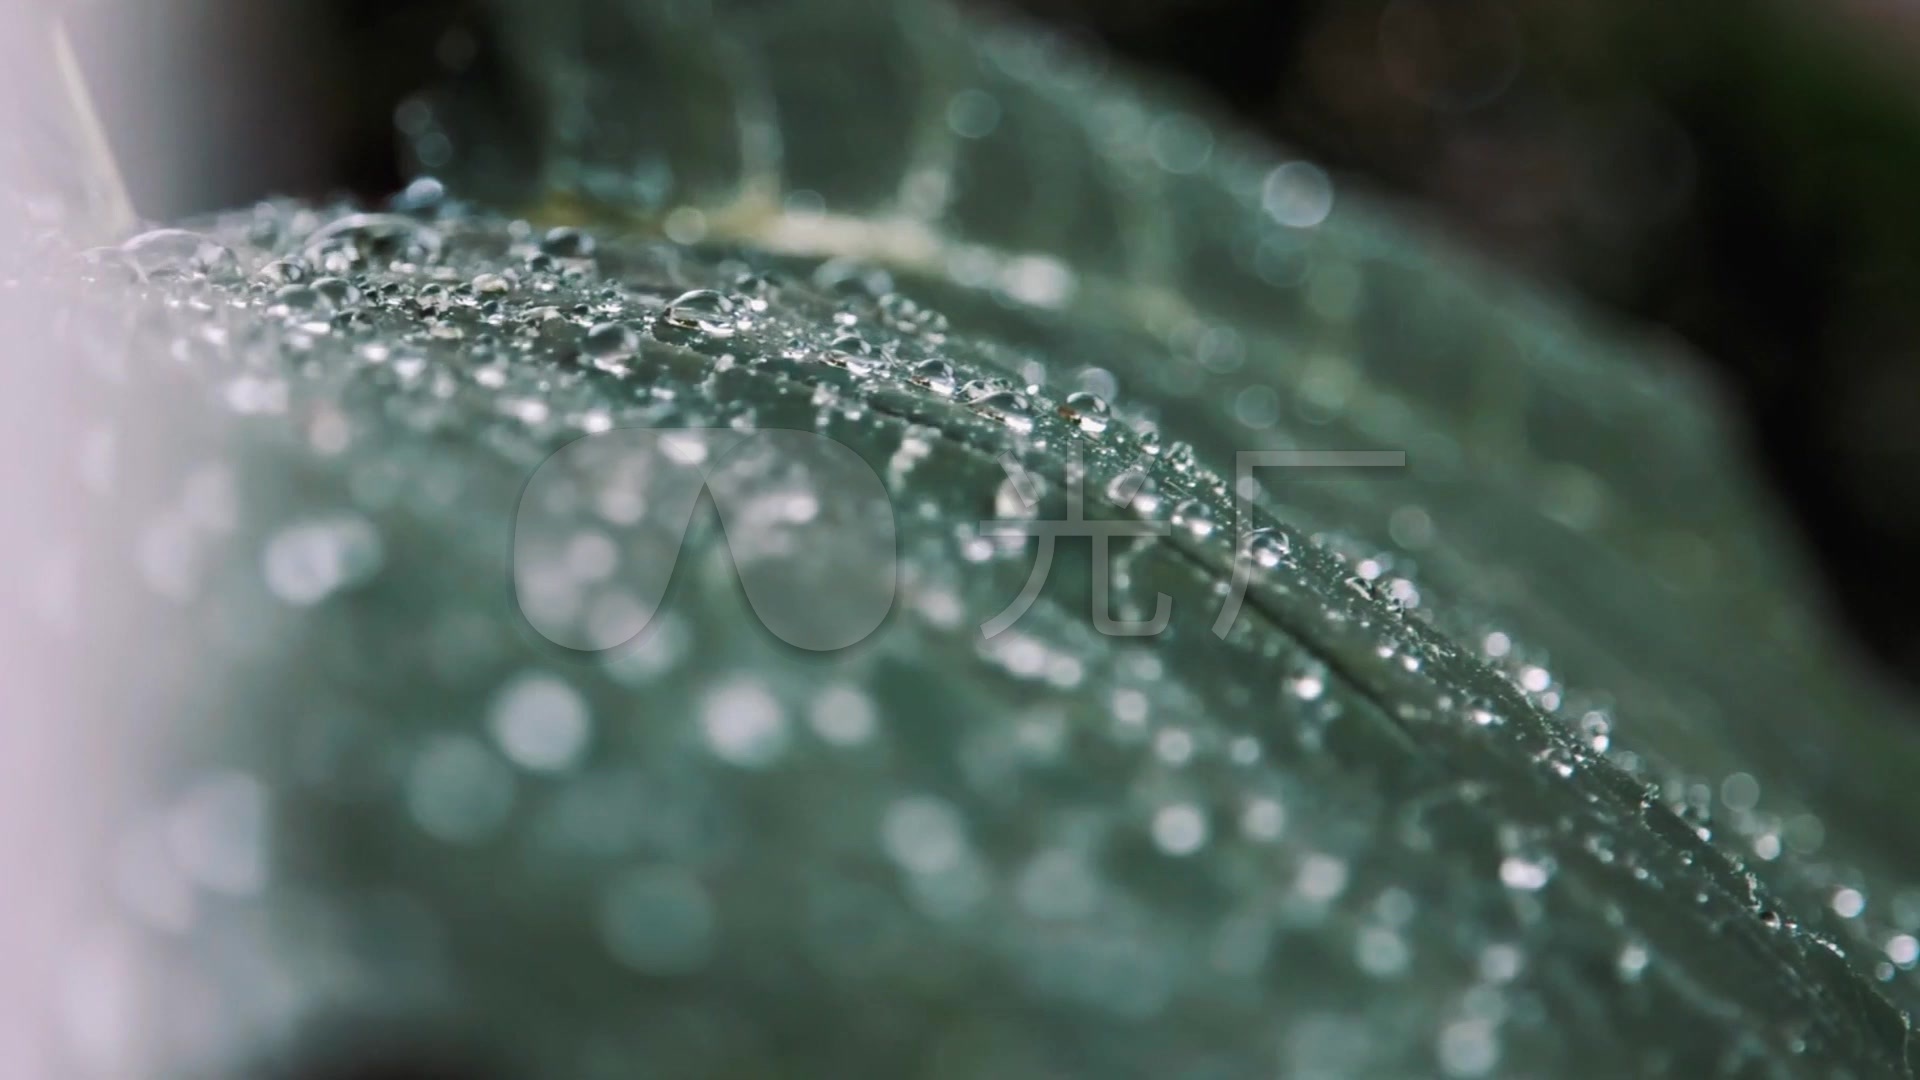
x=858, y=363
x=610, y=342
x=342, y=293
x=1018, y=497
x=291, y=270
x=1010, y=407
x=936, y=375
x=757, y=283
x=851, y=277
x=1361, y=586
x=294, y=299
x=1087, y=410
x=1180, y=829
x=1524, y=874
x=567, y=243
x=1194, y=516
x=423, y=195
x=903, y=313
x=975, y=389
x=181, y=253
x=1268, y=547
x=1128, y=486
x=1597, y=730
x=701, y=310
x=852, y=343
x=1484, y=712
x=1632, y=961
x=360, y=240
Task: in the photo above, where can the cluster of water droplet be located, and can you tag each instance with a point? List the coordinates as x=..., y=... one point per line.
x=1126, y=830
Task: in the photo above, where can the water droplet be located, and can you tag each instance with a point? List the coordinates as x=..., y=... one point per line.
x=1268, y=547
x=701, y=310
x=1297, y=194
x=1089, y=411
x=857, y=363
x=1524, y=874
x=1179, y=829
x=974, y=389
x=1597, y=730
x=300, y=299
x=1010, y=407
x=1306, y=687
x=1127, y=486
x=1632, y=961
x=567, y=243
x=852, y=343
x=541, y=722
x=1485, y=712
x=341, y=293
x=1263, y=819
x=1321, y=877
x=851, y=277
x=757, y=284
x=902, y=313
x=360, y=240
x=744, y=725
x=291, y=270
x=1017, y=498
x=1196, y=517
x=1363, y=587
x=936, y=375
x=181, y=253
x=609, y=343
x=422, y=195
x=843, y=715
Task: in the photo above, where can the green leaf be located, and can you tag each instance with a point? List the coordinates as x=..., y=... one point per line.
x=1535, y=757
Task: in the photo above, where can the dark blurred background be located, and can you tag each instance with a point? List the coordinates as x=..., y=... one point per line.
x=1743, y=172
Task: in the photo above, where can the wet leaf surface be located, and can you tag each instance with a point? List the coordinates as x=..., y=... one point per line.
x=1533, y=757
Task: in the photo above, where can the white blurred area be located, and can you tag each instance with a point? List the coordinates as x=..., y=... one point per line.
x=65, y=1002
